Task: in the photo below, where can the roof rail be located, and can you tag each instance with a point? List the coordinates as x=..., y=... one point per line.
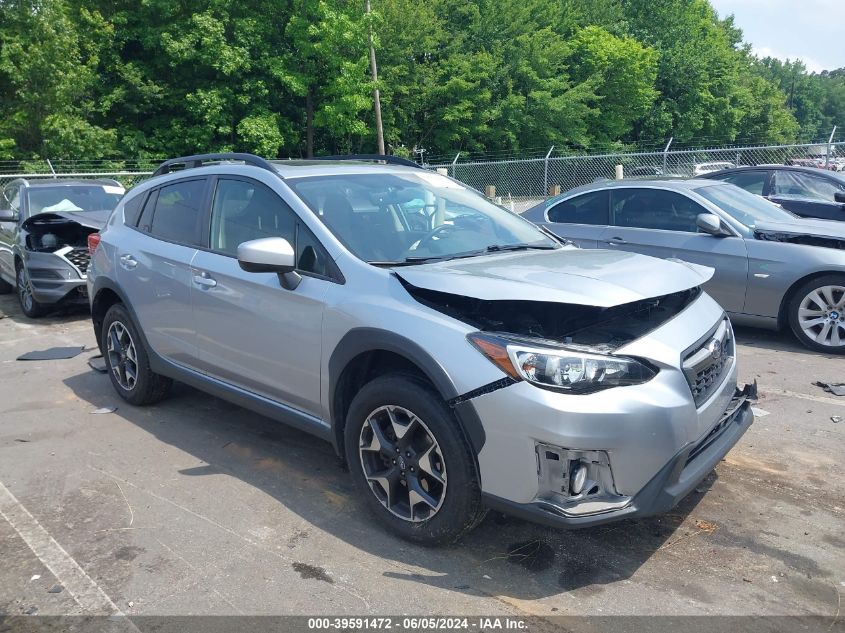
x=198, y=159
x=385, y=158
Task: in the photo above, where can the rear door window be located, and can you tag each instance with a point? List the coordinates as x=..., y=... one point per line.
x=655, y=209
x=589, y=208
x=178, y=212
x=752, y=181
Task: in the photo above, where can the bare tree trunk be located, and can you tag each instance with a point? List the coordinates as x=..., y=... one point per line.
x=309, y=123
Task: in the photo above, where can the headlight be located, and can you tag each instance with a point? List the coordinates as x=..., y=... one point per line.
x=559, y=368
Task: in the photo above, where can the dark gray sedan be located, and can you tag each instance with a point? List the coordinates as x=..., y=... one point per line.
x=773, y=269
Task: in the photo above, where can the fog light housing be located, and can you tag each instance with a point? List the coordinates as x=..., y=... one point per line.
x=578, y=478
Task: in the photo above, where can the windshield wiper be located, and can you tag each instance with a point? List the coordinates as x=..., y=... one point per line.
x=496, y=248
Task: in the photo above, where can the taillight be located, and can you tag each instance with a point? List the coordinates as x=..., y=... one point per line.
x=93, y=242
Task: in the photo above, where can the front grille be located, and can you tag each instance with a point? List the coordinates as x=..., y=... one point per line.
x=79, y=257
x=706, y=364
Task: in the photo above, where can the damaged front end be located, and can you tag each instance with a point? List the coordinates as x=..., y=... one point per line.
x=600, y=329
x=806, y=239
x=62, y=236
x=54, y=249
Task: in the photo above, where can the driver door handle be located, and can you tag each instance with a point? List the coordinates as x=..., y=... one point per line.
x=205, y=281
x=616, y=241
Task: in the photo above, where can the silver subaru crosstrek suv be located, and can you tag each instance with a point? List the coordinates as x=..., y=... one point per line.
x=458, y=357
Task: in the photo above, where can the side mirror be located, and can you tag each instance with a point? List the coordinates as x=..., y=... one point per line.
x=839, y=196
x=710, y=223
x=270, y=255
x=8, y=215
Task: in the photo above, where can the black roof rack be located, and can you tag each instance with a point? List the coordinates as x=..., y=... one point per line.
x=197, y=161
x=384, y=158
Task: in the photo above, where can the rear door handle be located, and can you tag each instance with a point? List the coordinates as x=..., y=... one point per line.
x=616, y=241
x=128, y=262
x=205, y=281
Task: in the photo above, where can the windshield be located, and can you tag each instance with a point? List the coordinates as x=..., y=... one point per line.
x=406, y=218
x=73, y=198
x=745, y=207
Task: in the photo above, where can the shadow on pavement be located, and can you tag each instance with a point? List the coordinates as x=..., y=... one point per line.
x=506, y=556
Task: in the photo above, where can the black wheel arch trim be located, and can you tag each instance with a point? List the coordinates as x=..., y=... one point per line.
x=362, y=340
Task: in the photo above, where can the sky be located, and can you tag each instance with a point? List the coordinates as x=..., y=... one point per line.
x=810, y=30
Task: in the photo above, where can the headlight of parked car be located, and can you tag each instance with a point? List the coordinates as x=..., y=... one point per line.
x=559, y=368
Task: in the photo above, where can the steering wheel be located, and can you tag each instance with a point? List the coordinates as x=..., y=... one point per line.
x=428, y=240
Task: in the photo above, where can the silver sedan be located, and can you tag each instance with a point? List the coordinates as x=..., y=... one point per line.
x=773, y=269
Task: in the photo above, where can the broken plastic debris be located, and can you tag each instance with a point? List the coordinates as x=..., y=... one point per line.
x=35, y=577
x=759, y=413
x=54, y=353
x=55, y=589
x=837, y=389
x=98, y=363
x=836, y=419
x=105, y=410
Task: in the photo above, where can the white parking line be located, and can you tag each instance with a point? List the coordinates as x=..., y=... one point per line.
x=802, y=396
x=81, y=587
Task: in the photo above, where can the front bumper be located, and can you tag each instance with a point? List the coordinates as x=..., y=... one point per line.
x=671, y=483
x=54, y=279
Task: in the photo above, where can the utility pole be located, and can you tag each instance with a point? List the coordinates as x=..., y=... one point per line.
x=376, y=96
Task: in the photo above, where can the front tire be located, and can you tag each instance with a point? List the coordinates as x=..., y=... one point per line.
x=411, y=462
x=127, y=360
x=817, y=314
x=30, y=307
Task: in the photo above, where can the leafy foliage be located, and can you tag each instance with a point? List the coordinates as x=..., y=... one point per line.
x=117, y=78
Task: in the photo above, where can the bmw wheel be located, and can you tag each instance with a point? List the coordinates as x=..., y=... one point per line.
x=411, y=462
x=127, y=360
x=30, y=306
x=817, y=314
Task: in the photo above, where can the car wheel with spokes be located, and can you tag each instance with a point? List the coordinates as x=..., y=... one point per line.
x=817, y=314
x=410, y=459
x=30, y=306
x=127, y=360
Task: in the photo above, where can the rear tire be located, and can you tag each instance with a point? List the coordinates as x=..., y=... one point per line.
x=409, y=459
x=30, y=307
x=816, y=314
x=127, y=360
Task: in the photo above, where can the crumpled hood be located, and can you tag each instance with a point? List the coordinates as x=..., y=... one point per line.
x=91, y=219
x=805, y=226
x=566, y=275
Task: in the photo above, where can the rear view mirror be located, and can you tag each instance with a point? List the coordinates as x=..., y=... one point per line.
x=270, y=255
x=839, y=196
x=8, y=215
x=710, y=223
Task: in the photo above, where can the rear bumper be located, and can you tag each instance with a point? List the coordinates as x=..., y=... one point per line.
x=667, y=488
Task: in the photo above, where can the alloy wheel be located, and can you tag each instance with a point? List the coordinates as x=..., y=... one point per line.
x=123, y=358
x=403, y=463
x=821, y=315
x=25, y=290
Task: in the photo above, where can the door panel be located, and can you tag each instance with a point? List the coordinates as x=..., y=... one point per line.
x=253, y=333
x=156, y=276
x=655, y=208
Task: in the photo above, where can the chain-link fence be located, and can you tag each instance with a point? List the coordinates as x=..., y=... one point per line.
x=523, y=183
x=127, y=172
x=519, y=183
